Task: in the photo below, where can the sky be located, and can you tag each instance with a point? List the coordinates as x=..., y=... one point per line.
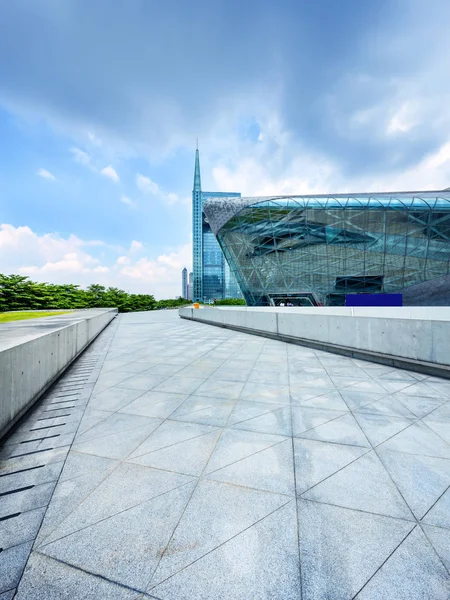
x=101, y=104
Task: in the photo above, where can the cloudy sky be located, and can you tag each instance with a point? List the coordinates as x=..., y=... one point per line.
x=101, y=104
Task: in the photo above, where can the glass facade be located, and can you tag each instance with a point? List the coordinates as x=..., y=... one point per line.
x=315, y=250
x=212, y=278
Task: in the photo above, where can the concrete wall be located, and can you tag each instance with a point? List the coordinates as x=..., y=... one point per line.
x=416, y=335
x=31, y=362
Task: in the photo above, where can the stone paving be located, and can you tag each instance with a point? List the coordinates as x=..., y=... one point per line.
x=211, y=464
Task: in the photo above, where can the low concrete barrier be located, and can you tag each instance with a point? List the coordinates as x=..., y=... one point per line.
x=415, y=338
x=34, y=353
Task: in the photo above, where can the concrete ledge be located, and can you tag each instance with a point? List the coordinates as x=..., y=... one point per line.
x=416, y=339
x=34, y=353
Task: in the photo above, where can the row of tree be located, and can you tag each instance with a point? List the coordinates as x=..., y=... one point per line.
x=20, y=293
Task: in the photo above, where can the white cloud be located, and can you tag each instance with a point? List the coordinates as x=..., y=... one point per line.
x=111, y=173
x=95, y=141
x=128, y=201
x=80, y=156
x=45, y=174
x=56, y=259
x=136, y=246
x=146, y=185
x=402, y=121
x=101, y=269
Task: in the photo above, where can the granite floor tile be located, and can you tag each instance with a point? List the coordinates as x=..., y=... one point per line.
x=362, y=485
x=143, y=381
x=419, y=406
x=389, y=406
x=20, y=529
x=118, y=492
x=441, y=414
x=439, y=514
x=315, y=461
x=331, y=400
x=71, y=492
x=235, y=364
x=306, y=417
x=155, y=404
x=247, y=409
x=114, y=398
x=234, y=570
x=219, y=388
x=47, y=578
x=356, y=400
x=127, y=547
x=27, y=499
x=163, y=369
x=189, y=457
x=342, y=430
x=271, y=470
x=418, y=439
x=216, y=415
x=421, y=479
x=179, y=385
x=379, y=428
x=169, y=433
x=115, y=423
x=395, y=375
x=29, y=461
x=198, y=372
x=118, y=446
x=272, y=377
x=303, y=380
x=439, y=538
x=264, y=392
x=277, y=422
x=7, y=595
x=112, y=378
x=206, y=523
x=423, y=390
x=235, y=444
x=341, y=549
x=393, y=387
x=12, y=564
x=29, y=477
x=442, y=429
x=370, y=387
x=440, y=385
x=426, y=575
x=240, y=375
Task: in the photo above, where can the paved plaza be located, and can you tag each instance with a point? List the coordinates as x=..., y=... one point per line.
x=209, y=464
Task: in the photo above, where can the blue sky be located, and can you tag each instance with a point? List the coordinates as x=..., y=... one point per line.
x=101, y=103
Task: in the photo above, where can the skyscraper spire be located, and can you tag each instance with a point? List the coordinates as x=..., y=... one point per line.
x=197, y=181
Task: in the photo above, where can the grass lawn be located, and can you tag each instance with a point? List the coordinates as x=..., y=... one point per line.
x=29, y=314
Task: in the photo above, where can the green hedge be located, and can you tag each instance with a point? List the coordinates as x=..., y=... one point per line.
x=20, y=293
x=231, y=302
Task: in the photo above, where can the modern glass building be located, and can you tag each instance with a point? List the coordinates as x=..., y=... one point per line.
x=317, y=249
x=212, y=276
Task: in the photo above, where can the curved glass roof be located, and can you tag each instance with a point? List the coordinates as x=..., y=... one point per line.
x=219, y=211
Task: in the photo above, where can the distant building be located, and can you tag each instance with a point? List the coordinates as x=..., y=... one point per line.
x=190, y=286
x=184, y=283
x=212, y=277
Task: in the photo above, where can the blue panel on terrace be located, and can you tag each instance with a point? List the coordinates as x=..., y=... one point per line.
x=374, y=300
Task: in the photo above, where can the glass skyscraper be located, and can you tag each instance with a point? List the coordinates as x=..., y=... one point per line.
x=212, y=276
